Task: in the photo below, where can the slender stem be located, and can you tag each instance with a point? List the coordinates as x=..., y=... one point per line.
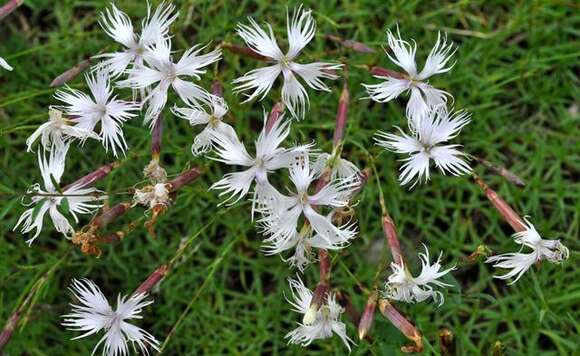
x=184, y=179
x=96, y=175
x=157, y=137
x=350, y=44
x=383, y=72
x=16, y=316
x=217, y=88
x=152, y=280
x=500, y=170
x=387, y=223
x=341, y=116
x=211, y=271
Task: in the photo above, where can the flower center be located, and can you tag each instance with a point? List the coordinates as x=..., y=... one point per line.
x=170, y=72
x=213, y=121
x=285, y=62
x=101, y=110
x=303, y=198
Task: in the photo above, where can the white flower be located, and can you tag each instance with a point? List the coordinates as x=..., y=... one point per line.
x=137, y=48
x=281, y=213
x=78, y=198
x=93, y=314
x=151, y=196
x=57, y=131
x=269, y=157
x=103, y=108
x=327, y=320
x=5, y=64
x=519, y=263
x=163, y=72
x=300, y=32
x=423, y=95
x=213, y=121
x=401, y=285
x=424, y=145
x=302, y=242
x=340, y=167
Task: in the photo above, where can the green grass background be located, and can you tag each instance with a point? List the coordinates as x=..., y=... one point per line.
x=516, y=72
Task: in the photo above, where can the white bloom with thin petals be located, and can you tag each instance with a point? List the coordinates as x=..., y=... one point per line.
x=281, y=214
x=340, y=167
x=136, y=47
x=213, y=121
x=102, y=108
x=94, y=314
x=163, y=73
x=57, y=131
x=518, y=262
x=269, y=157
x=424, y=145
x=402, y=286
x=80, y=200
x=423, y=95
x=301, y=29
x=5, y=64
x=326, y=322
x=303, y=242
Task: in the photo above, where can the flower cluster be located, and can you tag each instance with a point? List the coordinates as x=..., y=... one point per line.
x=430, y=121
x=308, y=214
x=324, y=324
x=401, y=285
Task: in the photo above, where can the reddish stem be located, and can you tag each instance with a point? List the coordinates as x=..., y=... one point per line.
x=217, y=88
x=156, y=137
x=94, y=176
x=152, y=280
x=275, y=114
x=184, y=179
x=390, y=232
x=341, y=116
x=512, y=218
x=9, y=329
x=108, y=216
x=10, y=6
x=351, y=44
x=384, y=72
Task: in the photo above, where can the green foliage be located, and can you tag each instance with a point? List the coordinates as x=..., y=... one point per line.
x=516, y=72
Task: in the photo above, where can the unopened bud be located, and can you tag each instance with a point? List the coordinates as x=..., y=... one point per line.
x=366, y=320
x=510, y=216
x=400, y=322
